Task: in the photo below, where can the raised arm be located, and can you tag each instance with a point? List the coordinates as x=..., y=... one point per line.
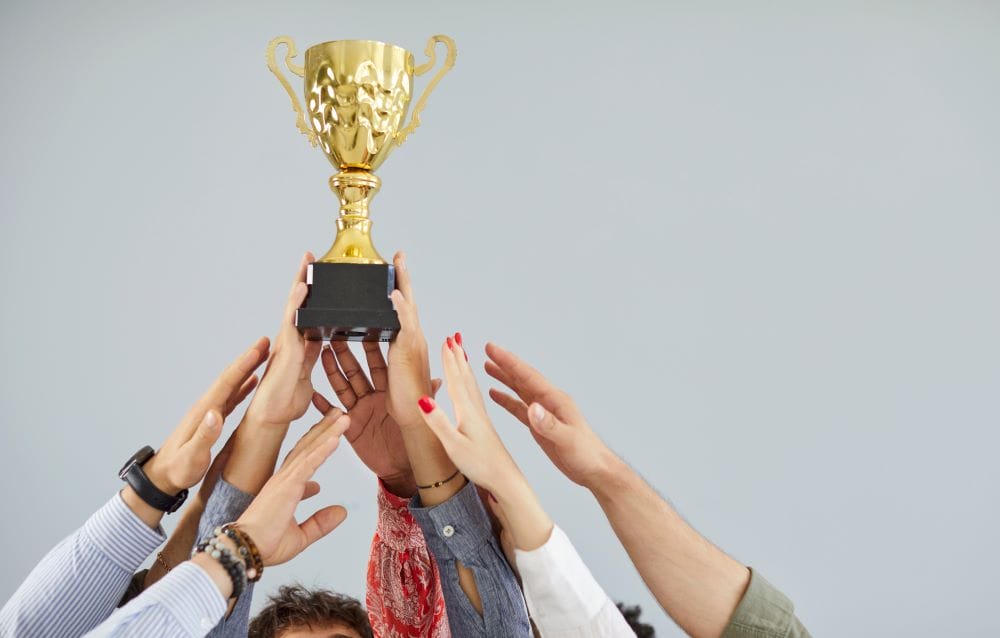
x=442, y=492
x=191, y=599
x=403, y=595
x=563, y=597
x=704, y=590
x=79, y=582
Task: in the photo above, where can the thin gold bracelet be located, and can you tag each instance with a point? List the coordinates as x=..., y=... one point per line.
x=163, y=563
x=439, y=483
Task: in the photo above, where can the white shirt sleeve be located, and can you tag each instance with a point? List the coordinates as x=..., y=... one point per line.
x=563, y=598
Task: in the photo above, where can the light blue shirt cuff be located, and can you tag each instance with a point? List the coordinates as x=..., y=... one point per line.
x=118, y=533
x=190, y=596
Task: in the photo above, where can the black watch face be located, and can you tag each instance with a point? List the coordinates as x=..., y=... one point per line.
x=138, y=458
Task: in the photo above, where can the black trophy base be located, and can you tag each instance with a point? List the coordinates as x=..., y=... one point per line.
x=349, y=302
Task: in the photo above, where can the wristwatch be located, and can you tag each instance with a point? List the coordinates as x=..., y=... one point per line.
x=153, y=496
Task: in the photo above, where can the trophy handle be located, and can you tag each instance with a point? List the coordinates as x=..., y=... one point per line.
x=272, y=64
x=449, y=62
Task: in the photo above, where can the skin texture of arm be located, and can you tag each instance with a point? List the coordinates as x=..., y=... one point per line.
x=696, y=583
x=409, y=379
x=283, y=396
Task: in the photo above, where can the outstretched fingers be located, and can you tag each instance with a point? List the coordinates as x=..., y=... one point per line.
x=440, y=425
x=337, y=380
x=531, y=386
x=376, y=365
x=515, y=406
x=352, y=369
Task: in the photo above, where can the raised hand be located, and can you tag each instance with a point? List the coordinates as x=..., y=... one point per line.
x=474, y=446
x=476, y=449
x=373, y=434
x=555, y=422
x=409, y=373
x=270, y=519
x=286, y=388
x=185, y=456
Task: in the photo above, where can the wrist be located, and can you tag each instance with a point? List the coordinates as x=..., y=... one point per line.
x=610, y=476
x=528, y=524
x=216, y=572
x=145, y=512
x=402, y=484
x=262, y=426
x=159, y=478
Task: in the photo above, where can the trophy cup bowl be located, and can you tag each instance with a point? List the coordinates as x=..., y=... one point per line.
x=357, y=94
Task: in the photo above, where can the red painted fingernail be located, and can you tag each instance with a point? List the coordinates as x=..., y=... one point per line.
x=426, y=404
x=458, y=338
x=451, y=344
x=466, y=355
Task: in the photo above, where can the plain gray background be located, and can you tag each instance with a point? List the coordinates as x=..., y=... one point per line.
x=757, y=242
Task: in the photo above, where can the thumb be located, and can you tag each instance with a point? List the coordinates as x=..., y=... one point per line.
x=322, y=523
x=208, y=431
x=544, y=424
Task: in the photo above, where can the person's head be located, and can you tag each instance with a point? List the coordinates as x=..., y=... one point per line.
x=642, y=630
x=297, y=612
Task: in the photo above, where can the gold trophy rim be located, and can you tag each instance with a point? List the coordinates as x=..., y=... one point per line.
x=360, y=41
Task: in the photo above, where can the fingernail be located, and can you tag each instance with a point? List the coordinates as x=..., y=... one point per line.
x=426, y=404
x=536, y=412
x=466, y=355
x=402, y=262
x=450, y=342
x=458, y=338
x=210, y=419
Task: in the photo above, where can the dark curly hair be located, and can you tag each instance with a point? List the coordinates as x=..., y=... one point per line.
x=642, y=630
x=296, y=606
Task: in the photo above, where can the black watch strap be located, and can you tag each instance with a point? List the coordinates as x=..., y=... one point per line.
x=133, y=474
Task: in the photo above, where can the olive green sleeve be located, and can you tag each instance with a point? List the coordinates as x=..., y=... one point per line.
x=764, y=612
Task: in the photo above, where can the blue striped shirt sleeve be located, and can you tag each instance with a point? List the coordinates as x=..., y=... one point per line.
x=81, y=580
x=183, y=604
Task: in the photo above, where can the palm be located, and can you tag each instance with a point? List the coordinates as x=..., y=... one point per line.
x=374, y=432
x=375, y=436
x=286, y=545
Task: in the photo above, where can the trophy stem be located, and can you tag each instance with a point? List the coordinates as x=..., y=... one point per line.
x=355, y=189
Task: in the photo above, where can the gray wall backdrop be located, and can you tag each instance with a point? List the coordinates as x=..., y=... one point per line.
x=757, y=242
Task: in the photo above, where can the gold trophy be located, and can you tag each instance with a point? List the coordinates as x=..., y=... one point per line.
x=357, y=93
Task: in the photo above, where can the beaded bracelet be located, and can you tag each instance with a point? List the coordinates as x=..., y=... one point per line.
x=246, y=548
x=234, y=566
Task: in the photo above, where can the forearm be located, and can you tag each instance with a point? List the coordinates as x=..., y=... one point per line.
x=697, y=584
x=255, y=453
x=528, y=523
x=430, y=464
x=99, y=559
x=178, y=547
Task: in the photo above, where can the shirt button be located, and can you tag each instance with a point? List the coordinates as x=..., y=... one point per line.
x=448, y=531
